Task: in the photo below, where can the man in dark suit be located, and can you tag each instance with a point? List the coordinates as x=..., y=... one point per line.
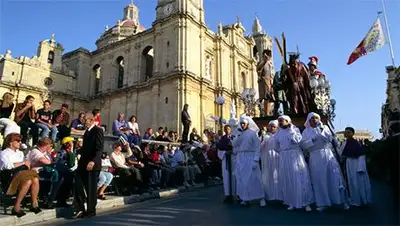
x=89, y=167
x=186, y=121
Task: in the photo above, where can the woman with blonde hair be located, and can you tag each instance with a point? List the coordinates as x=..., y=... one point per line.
x=6, y=108
x=20, y=177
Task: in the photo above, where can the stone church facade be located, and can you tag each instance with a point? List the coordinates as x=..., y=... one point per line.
x=150, y=73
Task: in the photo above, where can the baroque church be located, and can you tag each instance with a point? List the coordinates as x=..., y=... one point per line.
x=150, y=73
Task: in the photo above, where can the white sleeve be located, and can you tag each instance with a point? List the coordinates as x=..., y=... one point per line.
x=5, y=162
x=257, y=146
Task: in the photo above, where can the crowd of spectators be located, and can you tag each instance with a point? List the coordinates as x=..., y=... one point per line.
x=133, y=164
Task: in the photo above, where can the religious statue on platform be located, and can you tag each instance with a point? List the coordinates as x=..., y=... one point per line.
x=265, y=71
x=280, y=96
x=296, y=81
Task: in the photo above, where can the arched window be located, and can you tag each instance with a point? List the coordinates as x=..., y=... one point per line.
x=120, y=65
x=147, y=62
x=243, y=80
x=97, y=77
x=255, y=52
x=50, y=57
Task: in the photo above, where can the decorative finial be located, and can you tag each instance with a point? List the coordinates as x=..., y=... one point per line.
x=53, y=36
x=220, y=28
x=238, y=19
x=132, y=2
x=106, y=28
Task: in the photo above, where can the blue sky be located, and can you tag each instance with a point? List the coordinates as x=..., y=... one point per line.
x=329, y=29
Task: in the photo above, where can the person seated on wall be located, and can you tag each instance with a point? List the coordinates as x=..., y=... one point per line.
x=134, y=129
x=149, y=134
x=194, y=136
x=6, y=108
x=78, y=125
x=97, y=119
x=16, y=172
x=61, y=121
x=43, y=121
x=120, y=128
x=25, y=113
x=164, y=137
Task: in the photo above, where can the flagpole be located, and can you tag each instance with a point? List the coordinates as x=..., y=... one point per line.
x=388, y=32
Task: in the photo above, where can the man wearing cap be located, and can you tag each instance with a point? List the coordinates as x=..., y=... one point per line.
x=89, y=166
x=270, y=164
x=294, y=176
x=246, y=147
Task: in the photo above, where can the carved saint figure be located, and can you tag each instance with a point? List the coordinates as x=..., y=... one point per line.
x=297, y=83
x=265, y=70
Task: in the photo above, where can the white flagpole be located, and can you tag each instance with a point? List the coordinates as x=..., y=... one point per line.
x=388, y=32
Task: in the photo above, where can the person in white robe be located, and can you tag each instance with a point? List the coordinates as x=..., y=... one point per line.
x=228, y=160
x=326, y=176
x=270, y=164
x=294, y=176
x=246, y=146
x=356, y=170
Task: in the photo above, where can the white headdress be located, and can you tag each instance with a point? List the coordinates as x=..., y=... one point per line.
x=309, y=116
x=285, y=117
x=273, y=122
x=248, y=120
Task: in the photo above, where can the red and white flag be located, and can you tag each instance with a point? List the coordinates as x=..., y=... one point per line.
x=373, y=41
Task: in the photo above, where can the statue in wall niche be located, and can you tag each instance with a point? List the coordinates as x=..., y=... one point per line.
x=265, y=71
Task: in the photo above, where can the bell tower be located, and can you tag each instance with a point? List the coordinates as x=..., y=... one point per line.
x=193, y=8
x=131, y=12
x=50, y=52
x=262, y=40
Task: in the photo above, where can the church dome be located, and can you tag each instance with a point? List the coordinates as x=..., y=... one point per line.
x=127, y=27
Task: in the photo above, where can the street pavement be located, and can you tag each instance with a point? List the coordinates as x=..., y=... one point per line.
x=205, y=207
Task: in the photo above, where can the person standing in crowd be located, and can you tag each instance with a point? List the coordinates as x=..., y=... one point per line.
x=225, y=149
x=294, y=175
x=392, y=147
x=24, y=114
x=43, y=121
x=18, y=171
x=61, y=121
x=89, y=166
x=270, y=164
x=356, y=169
x=246, y=146
x=326, y=175
x=187, y=122
x=6, y=108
